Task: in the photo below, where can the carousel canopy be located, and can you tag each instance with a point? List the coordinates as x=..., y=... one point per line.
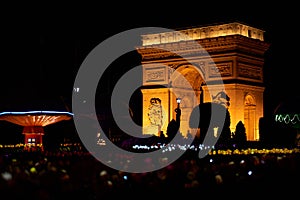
x=35, y=118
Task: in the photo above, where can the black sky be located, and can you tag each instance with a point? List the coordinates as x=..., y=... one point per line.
x=42, y=50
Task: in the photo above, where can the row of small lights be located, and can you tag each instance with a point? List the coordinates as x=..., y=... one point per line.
x=250, y=151
x=212, y=151
x=35, y=145
x=172, y=147
x=19, y=145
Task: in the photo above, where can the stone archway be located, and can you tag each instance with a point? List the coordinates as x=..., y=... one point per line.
x=250, y=118
x=184, y=81
x=195, y=78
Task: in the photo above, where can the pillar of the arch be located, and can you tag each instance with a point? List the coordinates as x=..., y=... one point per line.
x=238, y=109
x=158, y=106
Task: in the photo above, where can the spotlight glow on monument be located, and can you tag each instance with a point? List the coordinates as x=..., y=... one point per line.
x=230, y=53
x=33, y=123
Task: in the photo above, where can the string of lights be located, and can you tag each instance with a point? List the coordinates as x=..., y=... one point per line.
x=288, y=118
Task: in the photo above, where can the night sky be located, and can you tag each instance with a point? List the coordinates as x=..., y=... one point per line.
x=42, y=50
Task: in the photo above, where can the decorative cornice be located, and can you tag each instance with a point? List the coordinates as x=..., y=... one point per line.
x=196, y=33
x=203, y=47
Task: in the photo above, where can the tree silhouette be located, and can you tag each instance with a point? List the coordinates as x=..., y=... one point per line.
x=207, y=116
x=240, y=137
x=172, y=129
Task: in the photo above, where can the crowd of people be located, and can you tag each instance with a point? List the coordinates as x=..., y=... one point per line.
x=79, y=175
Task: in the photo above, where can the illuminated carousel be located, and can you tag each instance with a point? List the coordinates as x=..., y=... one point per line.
x=33, y=123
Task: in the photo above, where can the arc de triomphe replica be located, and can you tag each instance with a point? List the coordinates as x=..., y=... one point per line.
x=237, y=51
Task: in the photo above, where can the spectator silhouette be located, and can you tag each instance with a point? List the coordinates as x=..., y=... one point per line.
x=173, y=126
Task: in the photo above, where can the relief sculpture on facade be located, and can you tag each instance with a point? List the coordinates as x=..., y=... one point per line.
x=155, y=75
x=223, y=69
x=250, y=72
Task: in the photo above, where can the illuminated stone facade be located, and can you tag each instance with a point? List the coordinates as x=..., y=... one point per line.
x=232, y=53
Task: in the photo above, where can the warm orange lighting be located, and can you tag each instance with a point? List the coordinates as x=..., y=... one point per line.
x=235, y=49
